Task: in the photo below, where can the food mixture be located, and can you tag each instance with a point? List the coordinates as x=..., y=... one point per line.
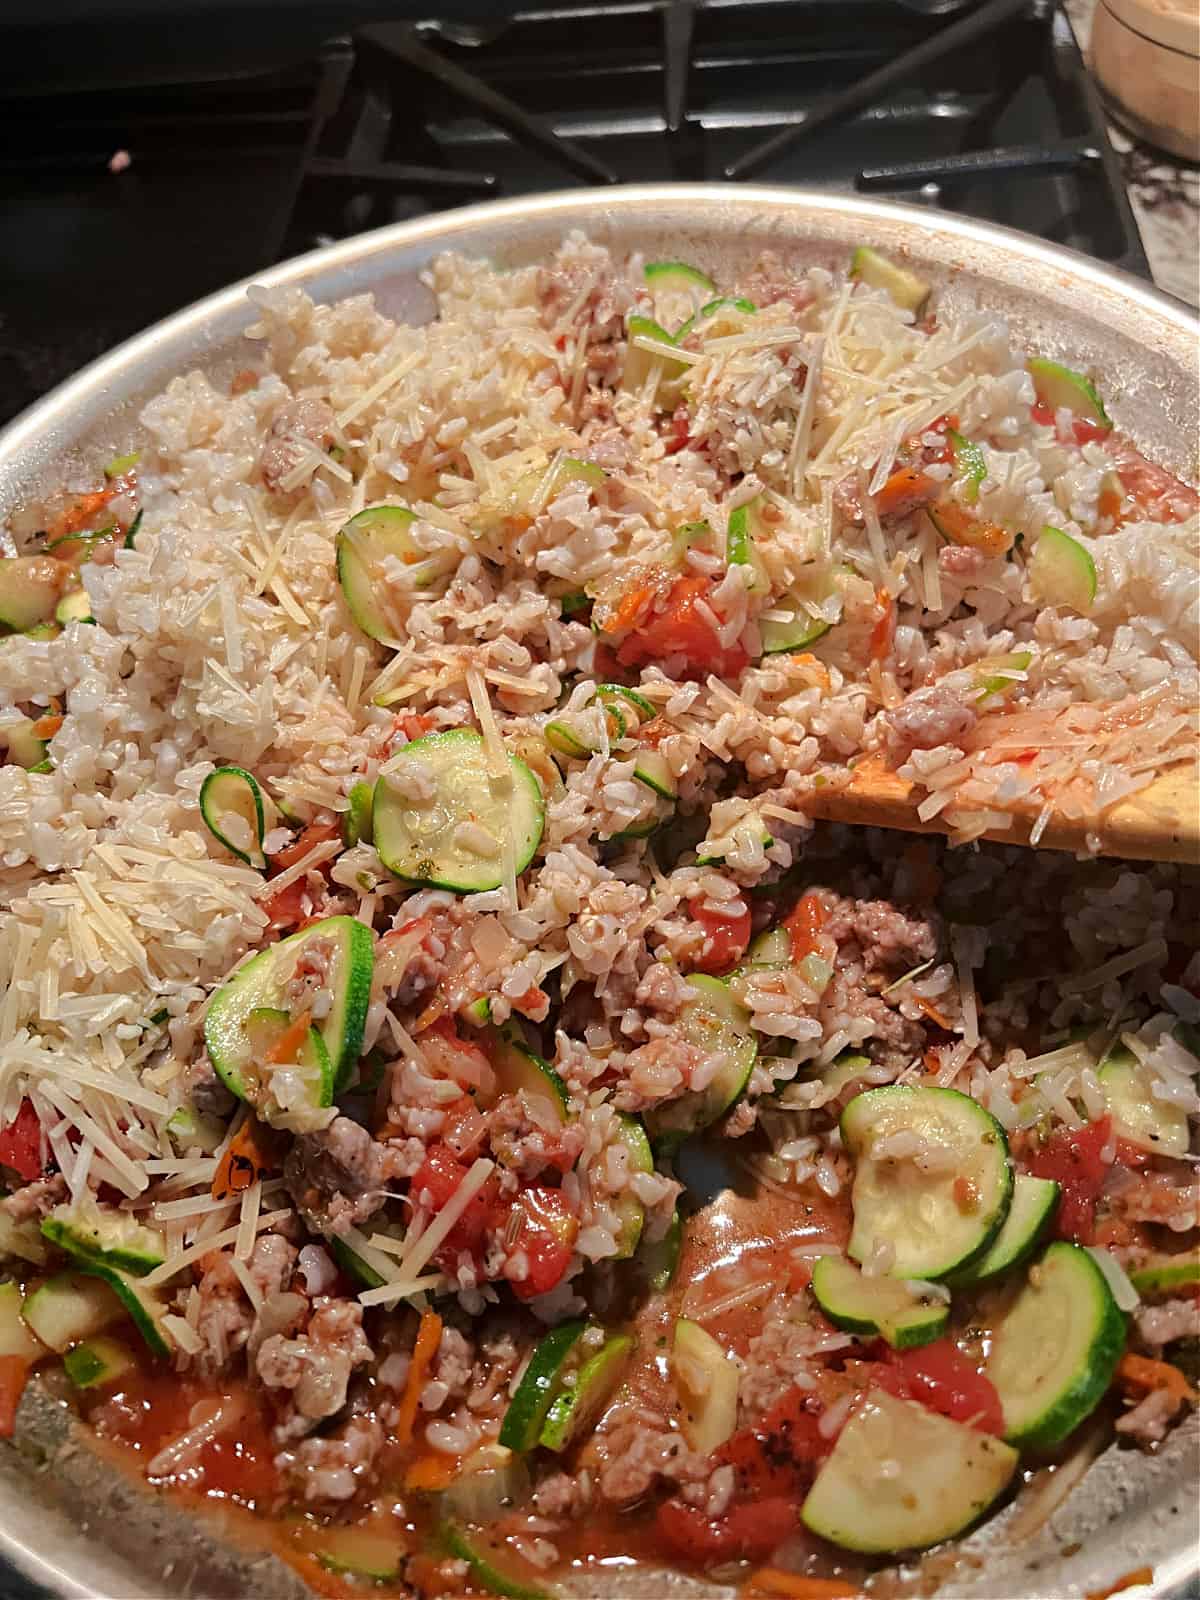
x=411, y=899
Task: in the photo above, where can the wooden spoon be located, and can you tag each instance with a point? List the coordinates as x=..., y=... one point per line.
x=1159, y=823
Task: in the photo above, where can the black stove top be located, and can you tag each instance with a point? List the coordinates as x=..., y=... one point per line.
x=125, y=193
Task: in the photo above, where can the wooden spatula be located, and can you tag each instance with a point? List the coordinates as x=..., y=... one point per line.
x=1159, y=823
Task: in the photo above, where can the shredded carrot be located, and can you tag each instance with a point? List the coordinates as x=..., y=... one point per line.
x=13, y=1372
x=46, y=727
x=884, y=630
x=958, y=525
x=1131, y=1580
x=287, y=1046
x=804, y=924
x=428, y=1337
x=80, y=511
x=631, y=606
x=432, y=1472
x=253, y=1150
x=901, y=486
x=774, y=1581
x=932, y=1012
x=1140, y=1372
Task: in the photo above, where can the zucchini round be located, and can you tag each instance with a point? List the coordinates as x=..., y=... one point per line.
x=1034, y=1202
x=580, y=1403
x=522, y=1424
x=712, y=1022
x=364, y=544
x=1054, y=1355
x=442, y=842
x=937, y=1210
x=902, y=1314
x=234, y=792
x=901, y=1478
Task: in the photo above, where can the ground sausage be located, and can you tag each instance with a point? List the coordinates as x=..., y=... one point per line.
x=338, y=1177
x=929, y=718
x=296, y=426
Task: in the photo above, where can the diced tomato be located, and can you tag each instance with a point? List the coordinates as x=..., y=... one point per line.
x=777, y=1454
x=546, y=1236
x=905, y=489
x=439, y=1176
x=1158, y=495
x=804, y=924
x=678, y=630
x=748, y=1531
x=316, y=833
x=1073, y=1158
x=940, y=1377
x=1083, y=430
x=13, y=1372
x=676, y=436
x=21, y=1143
x=285, y=908
x=725, y=938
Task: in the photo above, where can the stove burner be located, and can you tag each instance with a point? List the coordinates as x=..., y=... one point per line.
x=984, y=108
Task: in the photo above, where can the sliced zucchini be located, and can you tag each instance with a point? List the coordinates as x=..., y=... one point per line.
x=29, y=590
x=522, y=1424
x=634, y=707
x=133, y=530
x=113, y=1238
x=362, y=1553
x=639, y=362
x=652, y=769
x=265, y=1027
x=1165, y=1274
x=658, y=1260
x=352, y=1264
x=22, y=1240
x=713, y=1022
x=16, y=1336
x=357, y=818
x=706, y=1386
x=74, y=607
x=934, y=1212
x=478, y=1012
x=970, y=462
x=535, y=490
x=238, y=813
x=706, y=313
x=902, y=1477
x=745, y=533
x=1062, y=572
x=261, y=981
x=630, y=1209
x=909, y=291
x=70, y=1307
x=458, y=840
x=519, y=1069
x=677, y=289
x=565, y=739
x=481, y=1557
x=25, y=747
x=120, y=465
x=1054, y=1355
x=364, y=545
x=1060, y=389
x=577, y=1404
x=991, y=674
x=1034, y=1202
x=572, y=605
x=97, y=1363
x=43, y=630
x=771, y=948
x=900, y=1312
x=798, y=631
x=850, y=1067
x=1158, y=1126
x=689, y=536
x=192, y=1129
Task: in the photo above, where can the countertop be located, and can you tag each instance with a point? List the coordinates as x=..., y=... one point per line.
x=1164, y=193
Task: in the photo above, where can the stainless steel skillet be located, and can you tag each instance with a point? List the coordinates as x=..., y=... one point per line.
x=68, y=1521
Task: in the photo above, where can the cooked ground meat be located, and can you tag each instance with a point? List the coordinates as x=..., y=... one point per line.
x=962, y=561
x=227, y=1322
x=316, y=1366
x=888, y=939
x=1162, y=1324
x=562, y=1495
x=333, y=1466
x=205, y=1090
x=1155, y=1198
x=292, y=427
x=1148, y=1422
x=929, y=718
x=33, y=1202
x=338, y=1177
x=634, y=1454
x=528, y=1136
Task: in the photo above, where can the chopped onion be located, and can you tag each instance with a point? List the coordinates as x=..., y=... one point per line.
x=1123, y=1292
